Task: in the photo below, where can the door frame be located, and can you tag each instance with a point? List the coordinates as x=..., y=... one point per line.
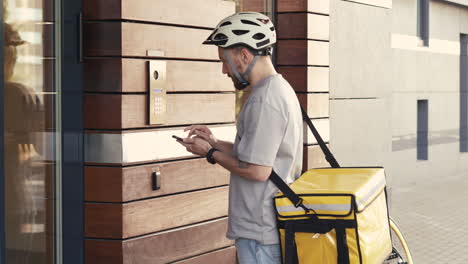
x=72, y=133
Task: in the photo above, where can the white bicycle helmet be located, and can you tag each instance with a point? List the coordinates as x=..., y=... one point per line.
x=252, y=29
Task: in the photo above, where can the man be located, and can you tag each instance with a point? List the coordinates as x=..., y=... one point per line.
x=269, y=135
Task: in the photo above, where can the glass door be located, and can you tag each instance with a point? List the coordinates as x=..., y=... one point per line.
x=31, y=131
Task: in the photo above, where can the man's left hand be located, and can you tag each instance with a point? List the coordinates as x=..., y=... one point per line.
x=196, y=145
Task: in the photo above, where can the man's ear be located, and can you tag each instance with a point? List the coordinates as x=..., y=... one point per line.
x=246, y=56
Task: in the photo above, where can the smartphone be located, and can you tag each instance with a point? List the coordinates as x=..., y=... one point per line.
x=177, y=138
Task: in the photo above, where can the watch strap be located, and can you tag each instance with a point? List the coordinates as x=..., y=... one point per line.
x=209, y=155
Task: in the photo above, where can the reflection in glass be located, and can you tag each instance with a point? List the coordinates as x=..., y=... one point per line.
x=29, y=127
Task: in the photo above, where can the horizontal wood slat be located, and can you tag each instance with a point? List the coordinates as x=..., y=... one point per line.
x=292, y=25
x=316, y=6
x=314, y=158
x=117, y=184
x=307, y=79
x=110, y=111
x=159, y=248
x=153, y=215
x=183, y=12
x=379, y=3
x=322, y=126
x=103, y=251
x=143, y=146
x=136, y=39
x=303, y=26
x=131, y=75
x=105, y=184
x=317, y=105
x=104, y=217
x=224, y=256
x=254, y=6
x=302, y=52
x=292, y=52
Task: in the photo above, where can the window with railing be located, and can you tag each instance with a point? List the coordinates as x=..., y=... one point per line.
x=422, y=130
x=463, y=93
x=423, y=22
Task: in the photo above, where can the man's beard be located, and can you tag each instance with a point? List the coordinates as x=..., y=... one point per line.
x=237, y=84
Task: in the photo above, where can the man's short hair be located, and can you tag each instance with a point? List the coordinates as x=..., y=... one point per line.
x=263, y=52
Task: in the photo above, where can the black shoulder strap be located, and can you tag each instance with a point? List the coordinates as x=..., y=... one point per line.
x=282, y=186
x=286, y=190
x=328, y=155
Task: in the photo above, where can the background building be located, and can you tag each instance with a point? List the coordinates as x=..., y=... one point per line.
x=398, y=97
x=94, y=89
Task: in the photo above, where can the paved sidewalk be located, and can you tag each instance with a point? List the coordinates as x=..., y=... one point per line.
x=433, y=216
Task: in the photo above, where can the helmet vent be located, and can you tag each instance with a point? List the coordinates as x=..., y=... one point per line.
x=248, y=22
x=272, y=28
x=220, y=36
x=240, y=32
x=264, y=21
x=225, y=24
x=259, y=36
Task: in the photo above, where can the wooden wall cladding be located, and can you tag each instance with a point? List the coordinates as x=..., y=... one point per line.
x=162, y=11
x=307, y=79
x=121, y=111
x=118, y=184
x=379, y=3
x=303, y=26
x=105, y=220
x=317, y=105
x=314, y=158
x=254, y=5
x=126, y=221
x=303, y=59
x=314, y=6
x=131, y=76
x=135, y=39
x=224, y=256
x=322, y=126
x=302, y=53
x=162, y=247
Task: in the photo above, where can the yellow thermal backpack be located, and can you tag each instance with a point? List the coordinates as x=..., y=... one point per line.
x=333, y=215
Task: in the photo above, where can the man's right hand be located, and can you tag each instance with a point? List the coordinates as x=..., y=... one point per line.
x=204, y=132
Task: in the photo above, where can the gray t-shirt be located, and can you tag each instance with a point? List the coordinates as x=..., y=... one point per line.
x=269, y=133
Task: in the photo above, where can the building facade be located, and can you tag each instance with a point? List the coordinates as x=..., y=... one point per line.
x=94, y=89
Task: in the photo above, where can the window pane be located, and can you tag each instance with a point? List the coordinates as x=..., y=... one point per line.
x=422, y=130
x=463, y=93
x=423, y=21
x=30, y=126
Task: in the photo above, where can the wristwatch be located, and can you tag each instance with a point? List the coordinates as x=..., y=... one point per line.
x=209, y=156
